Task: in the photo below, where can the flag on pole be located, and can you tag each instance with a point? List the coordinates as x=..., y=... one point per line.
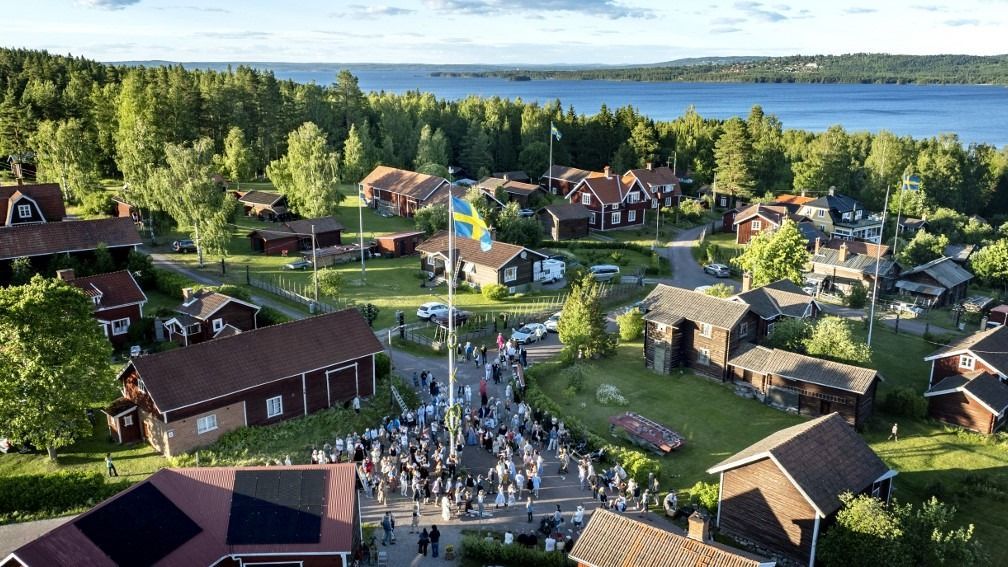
x=468, y=223
x=911, y=182
x=554, y=132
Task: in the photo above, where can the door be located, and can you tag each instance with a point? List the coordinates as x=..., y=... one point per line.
x=659, y=357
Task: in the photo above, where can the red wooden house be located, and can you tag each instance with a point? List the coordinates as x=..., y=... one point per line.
x=967, y=386
x=781, y=492
x=117, y=298
x=291, y=237
x=398, y=192
x=613, y=202
x=757, y=218
x=31, y=204
x=774, y=302
x=660, y=184
x=303, y=515
x=561, y=180
x=188, y=397
x=400, y=243
x=206, y=314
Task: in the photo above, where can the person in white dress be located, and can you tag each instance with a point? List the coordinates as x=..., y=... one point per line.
x=445, y=508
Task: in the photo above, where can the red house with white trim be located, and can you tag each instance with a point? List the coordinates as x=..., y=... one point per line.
x=613, y=202
x=117, y=298
x=968, y=386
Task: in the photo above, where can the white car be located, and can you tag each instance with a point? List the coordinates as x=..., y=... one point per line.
x=529, y=333
x=552, y=322
x=429, y=310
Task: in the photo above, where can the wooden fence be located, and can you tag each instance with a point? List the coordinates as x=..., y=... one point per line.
x=299, y=293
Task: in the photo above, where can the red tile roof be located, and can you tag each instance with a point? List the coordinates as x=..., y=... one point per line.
x=204, y=495
x=47, y=195
x=609, y=190
x=412, y=184
x=116, y=288
x=178, y=378
x=205, y=302
x=788, y=199
x=67, y=236
x=653, y=178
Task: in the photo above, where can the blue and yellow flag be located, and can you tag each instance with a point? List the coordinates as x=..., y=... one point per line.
x=911, y=182
x=468, y=223
x=554, y=132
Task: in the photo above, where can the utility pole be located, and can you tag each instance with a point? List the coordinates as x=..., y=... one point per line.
x=314, y=253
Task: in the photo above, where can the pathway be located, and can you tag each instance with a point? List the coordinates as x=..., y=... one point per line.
x=686, y=272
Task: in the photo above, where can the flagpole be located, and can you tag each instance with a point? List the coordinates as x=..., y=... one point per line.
x=452, y=341
x=549, y=172
x=360, y=232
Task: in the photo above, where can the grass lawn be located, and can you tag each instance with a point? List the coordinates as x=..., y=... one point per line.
x=898, y=357
x=726, y=247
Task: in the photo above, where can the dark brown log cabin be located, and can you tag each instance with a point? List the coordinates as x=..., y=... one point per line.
x=398, y=192
x=507, y=264
x=774, y=302
x=783, y=491
x=561, y=180
x=205, y=314
x=399, y=244
x=939, y=282
x=258, y=377
x=967, y=386
x=291, y=237
x=564, y=221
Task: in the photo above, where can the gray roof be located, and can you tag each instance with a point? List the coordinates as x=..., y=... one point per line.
x=984, y=387
x=260, y=197
x=782, y=297
x=825, y=457
x=857, y=262
x=571, y=174
x=837, y=205
x=804, y=368
x=990, y=345
x=959, y=252
x=669, y=305
x=943, y=270
x=567, y=211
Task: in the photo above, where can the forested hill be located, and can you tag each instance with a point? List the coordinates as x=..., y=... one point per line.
x=852, y=68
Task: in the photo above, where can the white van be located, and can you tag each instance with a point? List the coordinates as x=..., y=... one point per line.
x=604, y=272
x=551, y=271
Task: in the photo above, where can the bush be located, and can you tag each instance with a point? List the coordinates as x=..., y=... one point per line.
x=171, y=283
x=54, y=492
x=482, y=551
x=142, y=268
x=269, y=316
x=495, y=292
x=235, y=292
x=636, y=463
x=857, y=297
x=905, y=402
x=705, y=494
x=383, y=365
x=608, y=394
x=631, y=325
x=575, y=379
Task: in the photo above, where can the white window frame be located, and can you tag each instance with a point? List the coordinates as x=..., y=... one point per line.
x=206, y=424
x=703, y=356
x=616, y=217
x=120, y=326
x=274, y=402
x=592, y=219
x=967, y=361
x=756, y=225
x=769, y=328
x=706, y=330
x=857, y=214
x=511, y=273
x=847, y=216
x=141, y=386
x=876, y=490
x=743, y=328
x=668, y=201
x=654, y=203
x=127, y=421
x=24, y=211
x=724, y=201
x=631, y=216
x=586, y=199
x=218, y=324
x=634, y=197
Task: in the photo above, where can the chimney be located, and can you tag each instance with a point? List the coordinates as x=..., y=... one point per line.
x=699, y=527
x=832, y=191
x=802, y=192
x=606, y=171
x=66, y=274
x=746, y=281
x=187, y=293
x=842, y=255
x=649, y=166
x=818, y=241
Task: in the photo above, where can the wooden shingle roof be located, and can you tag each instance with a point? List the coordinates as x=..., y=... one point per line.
x=418, y=186
x=782, y=297
x=615, y=540
x=943, y=270
x=204, y=302
x=669, y=305
x=804, y=368
x=990, y=345
x=567, y=211
x=67, y=236
x=260, y=198
x=116, y=289
x=469, y=250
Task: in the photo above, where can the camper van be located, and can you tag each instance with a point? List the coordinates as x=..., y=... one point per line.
x=551, y=271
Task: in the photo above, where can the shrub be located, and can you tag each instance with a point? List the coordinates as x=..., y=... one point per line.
x=617, y=257
x=608, y=394
x=235, y=292
x=575, y=379
x=142, y=268
x=713, y=252
x=857, y=297
x=905, y=402
x=705, y=494
x=54, y=492
x=488, y=551
x=495, y=292
x=269, y=316
x=171, y=283
x=637, y=464
x=631, y=325
x=383, y=365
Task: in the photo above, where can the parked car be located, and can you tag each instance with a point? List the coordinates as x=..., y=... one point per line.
x=552, y=322
x=184, y=246
x=604, y=272
x=552, y=271
x=302, y=264
x=530, y=333
x=459, y=316
x=717, y=270
x=429, y=309
x=908, y=308
x=526, y=213
x=702, y=288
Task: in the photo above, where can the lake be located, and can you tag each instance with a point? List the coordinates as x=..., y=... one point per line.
x=977, y=113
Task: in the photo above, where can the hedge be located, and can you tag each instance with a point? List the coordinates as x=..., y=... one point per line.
x=171, y=283
x=483, y=551
x=598, y=245
x=55, y=493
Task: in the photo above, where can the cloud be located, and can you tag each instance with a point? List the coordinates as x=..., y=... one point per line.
x=727, y=21
x=930, y=8
x=108, y=4
x=362, y=11
x=860, y=10
x=612, y=9
x=246, y=35
x=756, y=10
x=725, y=29
x=962, y=22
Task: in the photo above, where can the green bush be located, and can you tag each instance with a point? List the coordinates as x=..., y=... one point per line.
x=171, y=283
x=905, y=402
x=631, y=325
x=268, y=316
x=481, y=551
x=575, y=379
x=235, y=292
x=383, y=365
x=495, y=292
x=857, y=297
x=54, y=493
x=705, y=494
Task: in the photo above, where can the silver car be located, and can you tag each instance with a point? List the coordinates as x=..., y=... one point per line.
x=529, y=333
x=552, y=322
x=428, y=310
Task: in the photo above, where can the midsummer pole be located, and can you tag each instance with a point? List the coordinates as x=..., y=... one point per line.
x=549, y=172
x=452, y=415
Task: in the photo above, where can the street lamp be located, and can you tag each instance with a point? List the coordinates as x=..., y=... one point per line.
x=658, y=196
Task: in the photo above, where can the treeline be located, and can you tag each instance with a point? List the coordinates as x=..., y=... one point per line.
x=850, y=68
x=112, y=122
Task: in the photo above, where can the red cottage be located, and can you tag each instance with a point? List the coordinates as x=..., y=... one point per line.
x=398, y=192
x=660, y=184
x=968, y=384
x=31, y=204
x=613, y=202
x=206, y=314
x=117, y=298
x=561, y=180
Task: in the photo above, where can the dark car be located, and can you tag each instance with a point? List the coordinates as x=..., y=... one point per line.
x=441, y=318
x=184, y=246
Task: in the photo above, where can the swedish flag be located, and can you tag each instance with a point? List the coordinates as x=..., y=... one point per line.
x=554, y=132
x=468, y=223
x=911, y=182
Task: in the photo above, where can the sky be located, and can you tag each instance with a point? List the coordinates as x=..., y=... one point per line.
x=498, y=31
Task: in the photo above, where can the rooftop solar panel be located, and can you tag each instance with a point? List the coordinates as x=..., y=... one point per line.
x=138, y=528
x=276, y=507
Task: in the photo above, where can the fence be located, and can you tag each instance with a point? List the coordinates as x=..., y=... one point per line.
x=299, y=293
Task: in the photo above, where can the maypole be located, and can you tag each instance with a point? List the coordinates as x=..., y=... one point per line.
x=452, y=415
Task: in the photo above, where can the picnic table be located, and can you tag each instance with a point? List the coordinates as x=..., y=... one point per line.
x=647, y=433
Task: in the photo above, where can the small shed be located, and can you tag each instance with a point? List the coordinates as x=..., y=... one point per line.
x=399, y=243
x=565, y=221
x=123, y=421
x=333, y=255
x=998, y=315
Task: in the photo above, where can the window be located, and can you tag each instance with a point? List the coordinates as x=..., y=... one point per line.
x=966, y=361
x=24, y=211
x=654, y=203
x=756, y=225
x=128, y=421
x=634, y=197
x=724, y=201
x=769, y=329
x=743, y=329
x=274, y=406
x=820, y=213
x=218, y=324
x=705, y=330
x=206, y=423
x=631, y=216
x=616, y=217
x=846, y=216
x=511, y=274
x=703, y=356
x=585, y=198
x=876, y=490
x=591, y=220
x=120, y=326
x=857, y=214
x=668, y=201
x=141, y=386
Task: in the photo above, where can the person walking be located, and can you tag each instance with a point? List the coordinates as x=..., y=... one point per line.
x=356, y=404
x=386, y=525
x=416, y=517
x=110, y=465
x=435, y=537
x=422, y=542
x=528, y=508
x=895, y=432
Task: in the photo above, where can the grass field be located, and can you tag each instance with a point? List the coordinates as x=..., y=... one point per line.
x=725, y=251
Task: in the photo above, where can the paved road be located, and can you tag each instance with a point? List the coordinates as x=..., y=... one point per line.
x=686, y=273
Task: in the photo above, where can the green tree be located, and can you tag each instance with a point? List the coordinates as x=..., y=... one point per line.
x=55, y=363
x=720, y=290
x=516, y=229
x=644, y=142
x=237, y=156
x=185, y=190
x=772, y=256
x=359, y=153
x=582, y=326
x=66, y=153
x=103, y=262
x=734, y=153
x=691, y=209
x=431, y=218
x=770, y=169
x=923, y=248
x=534, y=158
x=139, y=144
x=631, y=325
x=309, y=174
x=349, y=102
x=831, y=338
x=329, y=281
x=21, y=271
x=475, y=156
x=991, y=263
x=432, y=148
x=370, y=312
x=790, y=333
x=827, y=162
